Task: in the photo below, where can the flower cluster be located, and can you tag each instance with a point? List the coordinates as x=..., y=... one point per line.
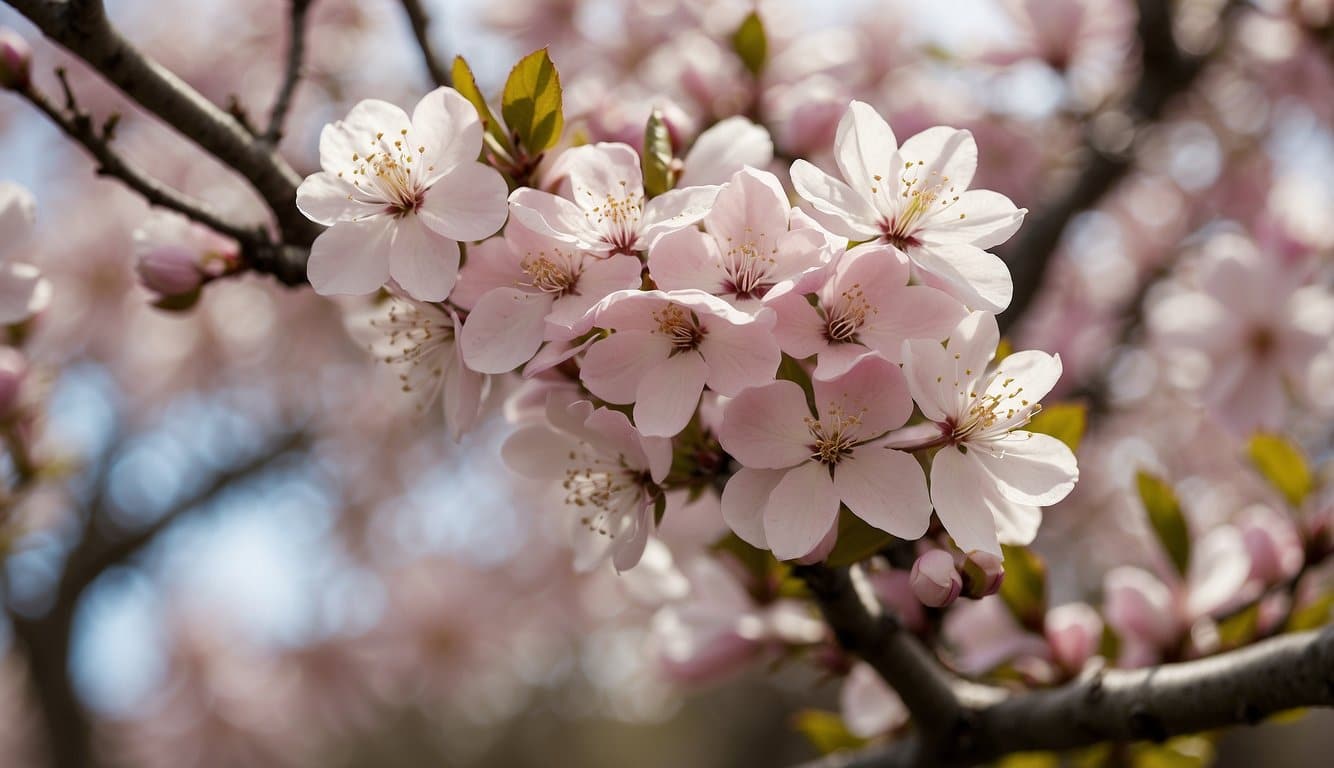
x=805, y=360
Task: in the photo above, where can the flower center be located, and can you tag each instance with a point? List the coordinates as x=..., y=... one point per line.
x=835, y=435
x=417, y=337
x=747, y=268
x=555, y=276
x=389, y=175
x=916, y=201
x=681, y=327
x=1005, y=410
x=603, y=488
x=618, y=219
x=847, y=314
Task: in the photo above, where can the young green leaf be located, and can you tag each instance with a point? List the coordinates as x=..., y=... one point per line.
x=1024, y=589
x=531, y=103
x=751, y=43
x=466, y=85
x=825, y=731
x=656, y=159
x=857, y=540
x=1283, y=465
x=1063, y=421
x=1160, y=502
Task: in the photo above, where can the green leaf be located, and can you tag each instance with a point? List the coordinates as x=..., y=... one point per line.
x=857, y=540
x=1063, y=421
x=531, y=103
x=1003, y=350
x=1024, y=589
x=1239, y=629
x=756, y=562
x=1183, y=752
x=791, y=369
x=825, y=731
x=656, y=159
x=1283, y=465
x=1030, y=760
x=659, y=508
x=1311, y=615
x=1165, y=516
x=751, y=43
x=466, y=85
x=181, y=302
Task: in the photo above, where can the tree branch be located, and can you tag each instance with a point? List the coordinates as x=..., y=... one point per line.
x=1235, y=688
x=1166, y=72
x=83, y=28
x=421, y=24
x=296, y=51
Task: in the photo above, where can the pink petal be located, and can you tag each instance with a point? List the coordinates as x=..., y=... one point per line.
x=614, y=366
x=599, y=279
x=1036, y=371
x=764, y=427
x=799, y=330
x=751, y=206
x=668, y=395
x=724, y=148
x=351, y=257
x=468, y=203
x=23, y=292
x=447, y=126
x=801, y=510
x=738, y=356
x=977, y=278
x=958, y=490
x=355, y=134
x=744, y=500
x=491, y=264
x=919, y=312
x=885, y=488
x=597, y=171
x=929, y=370
x=553, y=216
x=836, y=206
x=874, y=390
x=536, y=452
x=422, y=262
x=837, y=359
x=686, y=259
x=463, y=393
x=673, y=210
x=504, y=330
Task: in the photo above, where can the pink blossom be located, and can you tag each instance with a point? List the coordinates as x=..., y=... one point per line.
x=725, y=148
x=609, y=472
x=917, y=199
x=865, y=305
x=398, y=193
x=1273, y=543
x=751, y=242
x=799, y=464
x=23, y=290
x=667, y=346
x=1074, y=632
x=605, y=211
x=531, y=289
x=991, y=477
x=934, y=579
x=868, y=705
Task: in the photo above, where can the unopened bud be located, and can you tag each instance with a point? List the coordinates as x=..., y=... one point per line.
x=934, y=580
x=169, y=270
x=15, y=60
x=13, y=369
x=983, y=573
x=1074, y=632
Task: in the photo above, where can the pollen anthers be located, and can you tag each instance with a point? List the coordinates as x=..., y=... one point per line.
x=748, y=266
x=388, y=173
x=415, y=337
x=835, y=435
x=845, y=316
x=555, y=273
x=917, y=200
x=680, y=326
x=1006, y=409
x=596, y=485
x=618, y=217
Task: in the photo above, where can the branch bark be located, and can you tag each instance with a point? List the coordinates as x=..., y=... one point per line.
x=296, y=53
x=421, y=25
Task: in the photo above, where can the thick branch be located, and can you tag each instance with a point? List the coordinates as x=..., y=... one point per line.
x=84, y=29
x=296, y=52
x=1165, y=73
x=421, y=24
x=1235, y=688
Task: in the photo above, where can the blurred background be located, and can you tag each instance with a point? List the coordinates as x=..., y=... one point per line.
x=245, y=548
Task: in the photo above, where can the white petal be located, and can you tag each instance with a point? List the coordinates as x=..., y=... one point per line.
x=422, y=262
x=765, y=427
x=673, y=210
x=447, y=126
x=668, y=395
x=865, y=147
x=613, y=367
x=725, y=148
x=977, y=278
x=958, y=490
x=504, y=330
x=941, y=156
x=553, y=216
x=326, y=199
x=1030, y=468
x=351, y=257
x=845, y=213
x=979, y=217
x=468, y=203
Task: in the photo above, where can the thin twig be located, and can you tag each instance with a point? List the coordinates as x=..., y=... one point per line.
x=421, y=24
x=296, y=51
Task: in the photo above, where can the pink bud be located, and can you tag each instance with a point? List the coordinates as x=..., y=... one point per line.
x=1074, y=632
x=15, y=60
x=169, y=270
x=1140, y=607
x=13, y=369
x=934, y=579
x=1272, y=542
x=983, y=573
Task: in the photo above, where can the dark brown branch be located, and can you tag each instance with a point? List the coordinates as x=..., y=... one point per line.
x=296, y=52
x=83, y=28
x=1241, y=687
x=421, y=24
x=1165, y=73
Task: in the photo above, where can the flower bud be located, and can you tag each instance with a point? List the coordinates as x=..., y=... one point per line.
x=983, y=573
x=169, y=270
x=15, y=60
x=1074, y=632
x=934, y=579
x=13, y=369
x=1272, y=541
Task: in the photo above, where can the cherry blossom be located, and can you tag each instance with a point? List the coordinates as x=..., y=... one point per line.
x=398, y=193
x=916, y=198
x=990, y=477
x=865, y=305
x=604, y=210
x=608, y=471
x=419, y=340
x=666, y=346
x=23, y=290
x=799, y=464
x=868, y=705
x=524, y=289
x=752, y=241
x=723, y=149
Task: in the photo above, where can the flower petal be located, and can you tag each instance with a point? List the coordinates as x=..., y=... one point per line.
x=739, y=356
x=958, y=491
x=1030, y=468
x=422, y=262
x=673, y=210
x=765, y=428
x=725, y=148
x=447, y=127
x=868, y=156
x=351, y=257
x=466, y=204
x=941, y=155
x=801, y=510
x=887, y=489
x=977, y=278
x=744, y=501
x=553, y=216
x=843, y=211
x=668, y=395
x=504, y=330
x=979, y=217
x=614, y=366
x=873, y=391
x=685, y=259
x=326, y=199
